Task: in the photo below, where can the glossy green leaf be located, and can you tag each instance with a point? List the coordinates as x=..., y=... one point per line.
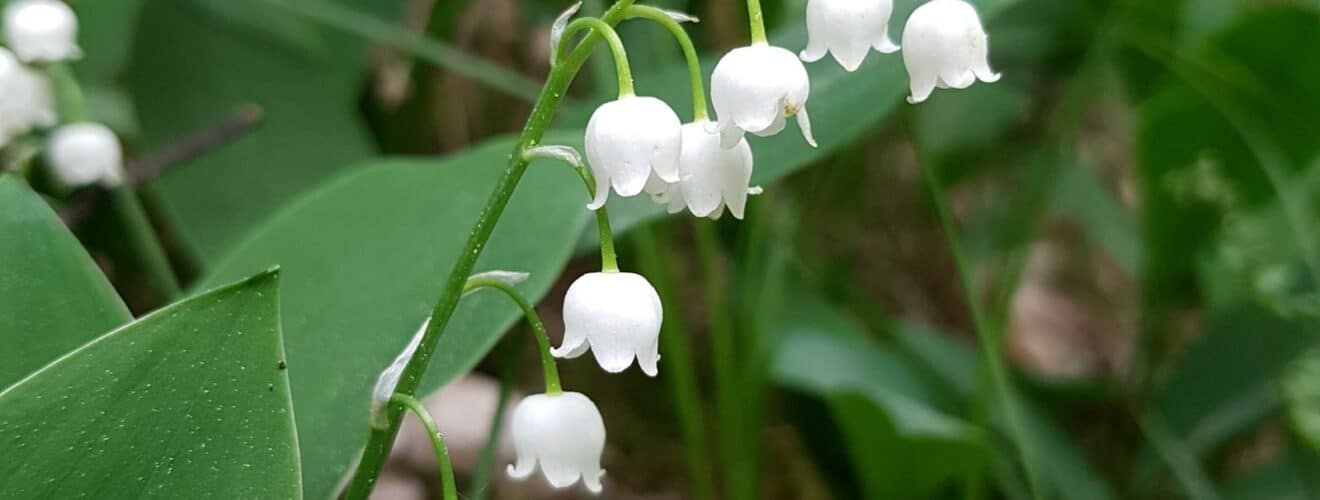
x=364, y=259
x=55, y=298
x=900, y=445
x=193, y=67
x=190, y=400
x=105, y=32
x=1219, y=378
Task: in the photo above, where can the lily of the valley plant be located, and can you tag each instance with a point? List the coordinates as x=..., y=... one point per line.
x=637, y=144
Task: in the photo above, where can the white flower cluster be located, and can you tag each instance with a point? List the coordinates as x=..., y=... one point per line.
x=944, y=43
x=38, y=34
x=637, y=144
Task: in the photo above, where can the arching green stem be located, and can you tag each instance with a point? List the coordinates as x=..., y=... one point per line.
x=609, y=262
x=533, y=319
x=450, y=489
x=621, y=67
x=381, y=440
x=68, y=95
x=689, y=52
x=757, y=22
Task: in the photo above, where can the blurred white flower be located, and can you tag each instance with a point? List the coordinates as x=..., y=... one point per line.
x=755, y=88
x=84, y=153
x=944, y=45
x=712, y=177
x=615, y=315
x=847, y=29
x=627, y=140
x=9, y=69
x=41, y=30
x=565, y=434
x=25, y=98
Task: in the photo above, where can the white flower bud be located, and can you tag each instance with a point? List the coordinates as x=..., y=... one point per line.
x=755, y=89
x=712, y=177
x=557, y=30
x=41, y=30
x=628, y=139
x=565, y=434
x=84, y=153
x=847, y=29
x=615, y=315
x=944, y=45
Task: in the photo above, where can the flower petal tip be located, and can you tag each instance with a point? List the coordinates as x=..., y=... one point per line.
x=593, y=483
x=516, y=474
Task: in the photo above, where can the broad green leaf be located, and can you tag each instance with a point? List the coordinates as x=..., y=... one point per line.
x=364, y=259
x=1243, y=352
x=1067, y=472
x=901, y=446
x=55, y=298
x=294, y=33
x=192, y=400
x=192, y=68
x=970, y=119
x=1194, y=164
x=105, y=33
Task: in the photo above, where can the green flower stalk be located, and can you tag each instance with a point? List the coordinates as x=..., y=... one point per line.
x=382, y=439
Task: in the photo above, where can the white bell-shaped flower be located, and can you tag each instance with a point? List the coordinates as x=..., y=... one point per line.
x=629, y=139
x=84, y=153
x=564, y=433
x=615, y=315
x=41, y=30
x=9, y=69
x=34, y=101
x=848, y=30
x=755, y=89
x=712, y=177
x=944, y=45
x=26, y=100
